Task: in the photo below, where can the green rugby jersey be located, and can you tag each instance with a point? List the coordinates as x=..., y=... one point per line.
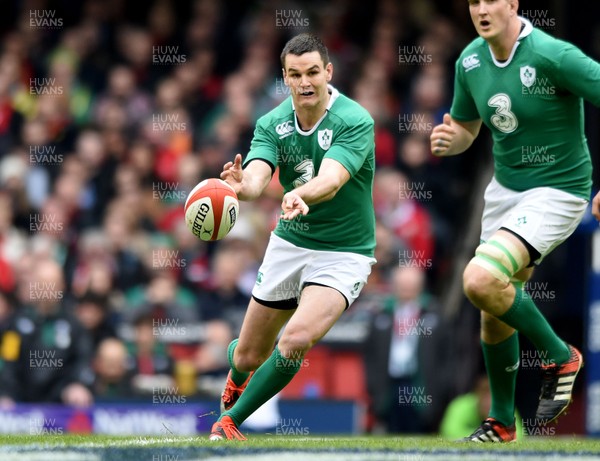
x=345, y=133
x=533, y=105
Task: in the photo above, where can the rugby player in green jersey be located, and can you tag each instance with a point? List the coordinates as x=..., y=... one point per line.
x=321, y=252
x=528, y=88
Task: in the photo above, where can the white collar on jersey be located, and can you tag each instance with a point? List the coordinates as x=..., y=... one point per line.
x=334, y=95
x=527, y=29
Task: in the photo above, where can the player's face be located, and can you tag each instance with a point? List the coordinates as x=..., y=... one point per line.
x=307, y=77
x=491, y=17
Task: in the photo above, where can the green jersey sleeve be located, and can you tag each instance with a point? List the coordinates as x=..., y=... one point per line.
x=579, y=74
x=263, y=147
x=463, y=105
x=352, y=146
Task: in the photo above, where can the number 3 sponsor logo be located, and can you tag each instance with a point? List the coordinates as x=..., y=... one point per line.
x=306, y=168
x=503, y=118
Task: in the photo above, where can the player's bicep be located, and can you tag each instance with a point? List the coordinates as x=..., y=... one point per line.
x=263, y=147
x=353, y=147
x=463, y=105
x=580, y=74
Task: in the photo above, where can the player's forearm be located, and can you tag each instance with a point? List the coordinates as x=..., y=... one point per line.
x=255, y=179
x=250, y=189
x=452, y=137
x=318, y=189
x=460, y=143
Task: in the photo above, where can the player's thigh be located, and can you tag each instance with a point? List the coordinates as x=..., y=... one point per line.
x=319, y=308
x=278, y=283
x=519, y=250
x=259, y=330
x=496, y=262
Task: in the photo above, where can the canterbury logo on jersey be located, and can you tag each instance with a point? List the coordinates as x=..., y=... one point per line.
x=285, y=129
x=471, y=62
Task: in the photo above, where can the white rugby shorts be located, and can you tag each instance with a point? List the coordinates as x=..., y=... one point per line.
x=287, y=268
x=543, y=216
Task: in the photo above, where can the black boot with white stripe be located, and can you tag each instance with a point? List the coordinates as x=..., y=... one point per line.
x=492, y=431
x=557, y=387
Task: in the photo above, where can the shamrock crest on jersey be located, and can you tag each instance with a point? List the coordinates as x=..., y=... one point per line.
x=527, y=74
x=324, y=138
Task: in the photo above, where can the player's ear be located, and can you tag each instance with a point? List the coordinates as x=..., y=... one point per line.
x=285, y=79
x=328, y=72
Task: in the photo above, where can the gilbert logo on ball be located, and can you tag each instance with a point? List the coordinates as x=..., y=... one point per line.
x=211, y=209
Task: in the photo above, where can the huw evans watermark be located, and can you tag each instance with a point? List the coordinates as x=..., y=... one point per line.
x=168, y=395
x=413, y=55
x=414, y=258
x=290, y=19
x=413, y=396
x=414, y=190
x=290, y=426
x=44, y=155
x=168, y=191
x=168, y=327
x=44, y=19
x=167, y=55
x=43, y=358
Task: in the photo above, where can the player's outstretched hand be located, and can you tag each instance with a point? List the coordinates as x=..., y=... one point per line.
x=293, y=205
x=442, y=136
x=596, y=206
x=233, y=174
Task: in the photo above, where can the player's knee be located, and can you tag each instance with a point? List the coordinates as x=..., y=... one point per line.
x=295, y=342
x=479, y=285
x=493, y=267
x=249, y=360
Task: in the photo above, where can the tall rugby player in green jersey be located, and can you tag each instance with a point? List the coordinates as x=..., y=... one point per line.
x=321, y=252
x=528, y=88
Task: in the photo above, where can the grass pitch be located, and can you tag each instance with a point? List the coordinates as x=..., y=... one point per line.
x=283, y=448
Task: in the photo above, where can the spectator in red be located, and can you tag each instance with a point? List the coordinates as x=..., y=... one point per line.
x=398, y=205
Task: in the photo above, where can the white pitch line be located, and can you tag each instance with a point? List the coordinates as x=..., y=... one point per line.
x=50, y=456
x=375, y=456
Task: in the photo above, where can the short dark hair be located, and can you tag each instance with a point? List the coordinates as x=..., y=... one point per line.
x=304, y=43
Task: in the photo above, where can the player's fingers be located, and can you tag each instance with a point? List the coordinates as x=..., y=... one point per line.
x=447, y=119
x=238, y=161
x=290, y=214
x=439, y=146
x=286, y=204
x=443, y=130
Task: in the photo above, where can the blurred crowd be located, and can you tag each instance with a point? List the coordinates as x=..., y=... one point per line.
x=109, y=115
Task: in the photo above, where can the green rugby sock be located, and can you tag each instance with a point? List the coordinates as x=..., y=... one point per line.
x=271, y=377
x=502, y=363
x=525, y=317
x=238, y=377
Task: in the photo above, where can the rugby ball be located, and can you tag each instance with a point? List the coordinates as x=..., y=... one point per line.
x=211, y=209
